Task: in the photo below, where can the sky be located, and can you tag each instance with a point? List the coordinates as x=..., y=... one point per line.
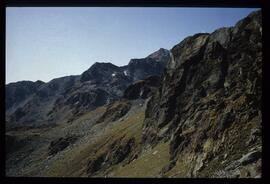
x=46, y=43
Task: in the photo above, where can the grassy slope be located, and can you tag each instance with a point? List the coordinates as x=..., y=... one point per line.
x=96, y=140
x=74, y=161
x=149, y=164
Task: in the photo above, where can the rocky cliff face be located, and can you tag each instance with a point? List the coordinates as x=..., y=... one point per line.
x=209, y=102
x=153, y=64
x=142, y=88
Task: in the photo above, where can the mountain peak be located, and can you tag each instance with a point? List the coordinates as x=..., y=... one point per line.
x=99, y=70
x=103, y=65
x=160, y=55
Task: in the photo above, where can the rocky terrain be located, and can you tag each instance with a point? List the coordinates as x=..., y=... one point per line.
x=193, y=111
x=35, y=104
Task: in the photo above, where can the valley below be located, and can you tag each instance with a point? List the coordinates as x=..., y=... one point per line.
x=193, y=111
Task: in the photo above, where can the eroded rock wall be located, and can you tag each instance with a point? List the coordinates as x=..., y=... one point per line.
x=209, y=102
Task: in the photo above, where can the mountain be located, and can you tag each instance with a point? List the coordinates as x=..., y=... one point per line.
x=142, y=88
x=62, y=99
x=161, y=55
x=200, y=117
x=153, y=64
x=209, y=103
x=17, y=92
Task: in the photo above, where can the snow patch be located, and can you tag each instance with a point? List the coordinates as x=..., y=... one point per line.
x=125, y=72
x=113, y=74
x=172, y=64
x=141, y=93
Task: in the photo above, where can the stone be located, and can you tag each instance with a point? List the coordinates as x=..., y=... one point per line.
x=60, y=144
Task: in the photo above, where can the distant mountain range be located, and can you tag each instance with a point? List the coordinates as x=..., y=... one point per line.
x=36, y=103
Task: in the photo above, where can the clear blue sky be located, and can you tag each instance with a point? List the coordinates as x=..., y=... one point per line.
x=45, y=43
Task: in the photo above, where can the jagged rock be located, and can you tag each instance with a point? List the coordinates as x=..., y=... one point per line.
x=162, y=55
x=189, y=49
x=178, y=144
x=119, y=153
x=250, y=157
x=60, y=144
x=99, y=72
x=142, y=89
x=205, y=72
x=244, y=164
x=224, y=122
x=93, y=98
x=199, y=164
x=95, y=164
x=167, y=168
x=254, y=134
x=115, y=111
x=141, y=68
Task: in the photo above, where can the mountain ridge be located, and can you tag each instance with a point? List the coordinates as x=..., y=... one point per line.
x=200, y=118
x=75, y=94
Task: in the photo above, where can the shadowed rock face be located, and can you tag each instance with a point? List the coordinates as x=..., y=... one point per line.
x=60, y=144
x=115, y=111
x=141, y=68
x=119, y=151
x=142, y=89
x=154, y=64
x=207, y=78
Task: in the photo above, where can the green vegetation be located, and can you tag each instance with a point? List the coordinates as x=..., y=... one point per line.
x=74, y=161
x=149, y=164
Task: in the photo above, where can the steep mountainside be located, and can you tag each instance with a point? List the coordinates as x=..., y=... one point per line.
x=19, y=91
x=209, y=104
x=63, y=99
x=142, y=88
x=201, y=117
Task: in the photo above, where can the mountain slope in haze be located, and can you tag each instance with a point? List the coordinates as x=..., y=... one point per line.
x=19, y=91
x=62, y=99
x=201, y=118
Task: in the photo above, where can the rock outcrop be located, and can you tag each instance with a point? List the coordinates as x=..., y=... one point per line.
x=210, y=96
x=120, y=151
x=60, y=144
x=142, y=88
x=115, y=111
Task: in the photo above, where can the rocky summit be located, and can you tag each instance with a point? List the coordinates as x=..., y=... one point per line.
x=193, y=111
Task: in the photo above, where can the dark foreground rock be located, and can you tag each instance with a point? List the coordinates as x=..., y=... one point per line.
x=210, y=96
x=60, y=144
